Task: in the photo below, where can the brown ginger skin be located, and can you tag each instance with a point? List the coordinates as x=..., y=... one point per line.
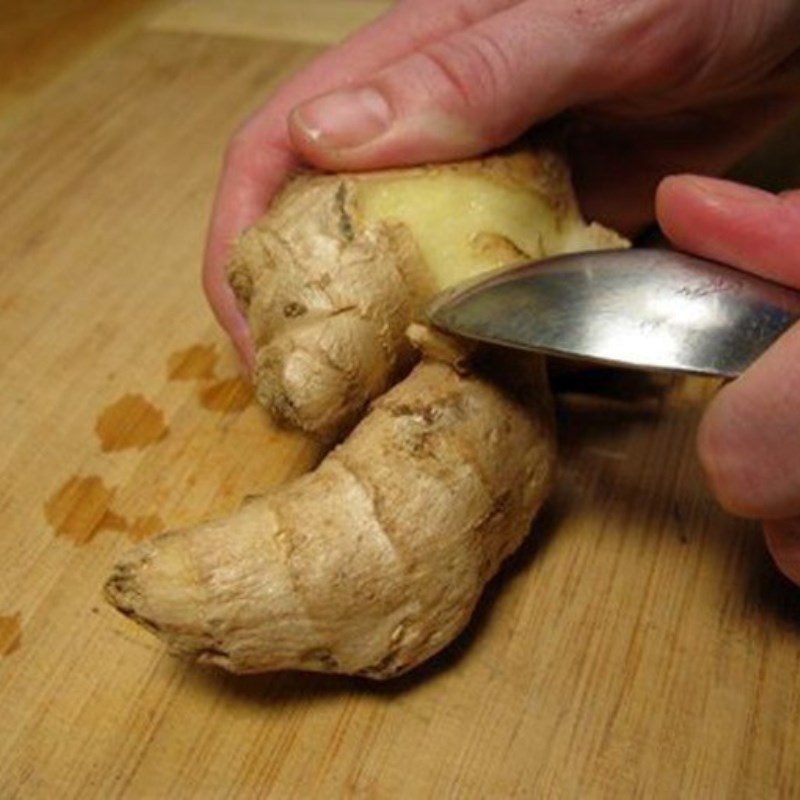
x=373, y=562
x=329, y=280
x=327, y=308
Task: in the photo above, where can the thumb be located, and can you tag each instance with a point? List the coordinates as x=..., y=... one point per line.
x=483, y=85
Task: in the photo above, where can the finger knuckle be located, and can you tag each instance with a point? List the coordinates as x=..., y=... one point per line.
x=783, y=542
x=665, y=40
x=475, y=68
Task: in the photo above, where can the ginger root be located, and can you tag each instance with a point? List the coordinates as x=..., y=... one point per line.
x=375, y=560
x=332, y=276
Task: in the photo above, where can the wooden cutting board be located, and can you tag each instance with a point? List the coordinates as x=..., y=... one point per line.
x=640, y=644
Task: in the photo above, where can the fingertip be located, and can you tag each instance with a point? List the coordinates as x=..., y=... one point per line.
x=685, y=204
x=670, y=189
x=238, y=330
x=669, y=183
x=228, y=314
x=667, y=192
x=748, y=438
x=683, y=195
x=243, y=342
x=783, y=543
x=726, y=472
x=743, y=468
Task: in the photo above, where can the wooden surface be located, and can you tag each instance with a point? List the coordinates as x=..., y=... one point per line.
x=41, y=39
x=640, y=644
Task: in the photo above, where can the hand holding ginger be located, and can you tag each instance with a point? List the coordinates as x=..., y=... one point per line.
x=651, y=89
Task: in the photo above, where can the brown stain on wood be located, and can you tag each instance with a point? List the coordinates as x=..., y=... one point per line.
x=8, y=302
x=198, y=363
x=145, y=526
x=111, y=521
x=227, y=396
x=132, y=421
x=82, y=507
x=193, y=363
x=10, y=634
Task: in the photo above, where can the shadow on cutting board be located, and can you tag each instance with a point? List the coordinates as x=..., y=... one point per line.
x=659, y=490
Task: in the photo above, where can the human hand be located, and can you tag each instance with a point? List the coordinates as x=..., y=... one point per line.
x=652, y=86
x=749, y=439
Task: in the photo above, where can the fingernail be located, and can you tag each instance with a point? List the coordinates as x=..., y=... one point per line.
x=722, y=191
x=344, y=119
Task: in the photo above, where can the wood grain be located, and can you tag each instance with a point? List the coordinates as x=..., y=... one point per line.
x=39, y=40
x=640, y=644
x=309, y=21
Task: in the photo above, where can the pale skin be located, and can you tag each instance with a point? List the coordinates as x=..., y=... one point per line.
x=660, y=94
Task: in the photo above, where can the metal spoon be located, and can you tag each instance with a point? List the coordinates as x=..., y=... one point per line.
x=643, y=308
